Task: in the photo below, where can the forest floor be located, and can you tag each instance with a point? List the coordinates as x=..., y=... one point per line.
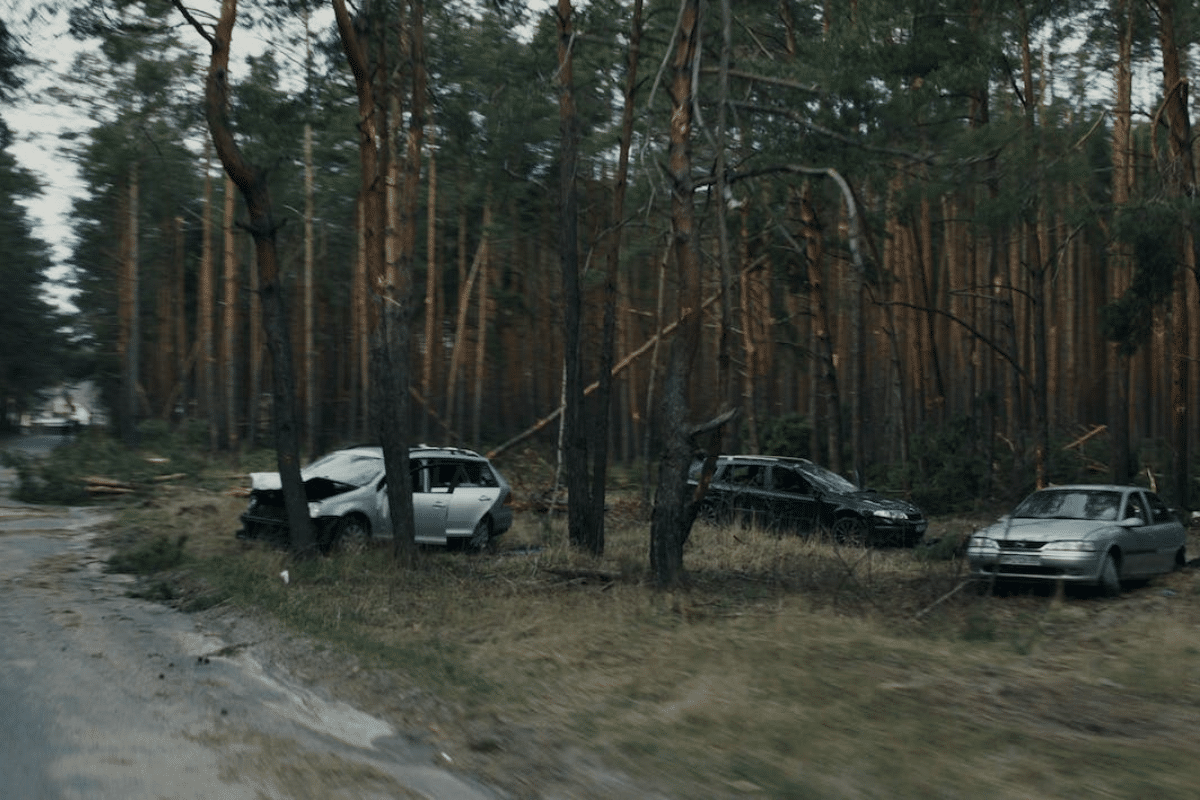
x=787, y=667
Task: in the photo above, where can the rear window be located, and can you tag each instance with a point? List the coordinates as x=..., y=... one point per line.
x=445, y=476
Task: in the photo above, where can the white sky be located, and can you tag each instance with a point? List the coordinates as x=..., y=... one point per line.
x=38, y=124
x=36, y=128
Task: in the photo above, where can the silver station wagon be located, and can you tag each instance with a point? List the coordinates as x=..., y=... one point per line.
x=1091, y=535
x=458, y=497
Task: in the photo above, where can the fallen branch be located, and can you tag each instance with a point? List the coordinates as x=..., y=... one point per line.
x=96, y=480
x=108, y=490
x=583, y=575
x=941, y=599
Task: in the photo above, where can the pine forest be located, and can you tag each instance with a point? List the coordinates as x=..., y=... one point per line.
x=948, y=248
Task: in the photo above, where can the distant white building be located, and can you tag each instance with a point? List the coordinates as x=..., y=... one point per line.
x=67, y=406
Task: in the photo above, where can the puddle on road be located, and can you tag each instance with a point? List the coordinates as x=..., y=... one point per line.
x=25, y=518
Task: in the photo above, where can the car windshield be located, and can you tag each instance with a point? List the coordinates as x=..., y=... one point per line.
x=355, y=469
x=1070, y=504
x=828, y=480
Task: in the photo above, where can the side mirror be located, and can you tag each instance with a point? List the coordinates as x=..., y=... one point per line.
x=1131, y=522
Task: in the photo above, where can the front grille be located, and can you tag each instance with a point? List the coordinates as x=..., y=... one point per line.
x=1020, y=546
x=263, y=513
x=1021, y=569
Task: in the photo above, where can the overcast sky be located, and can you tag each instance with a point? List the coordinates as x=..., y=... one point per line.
x=37, y=126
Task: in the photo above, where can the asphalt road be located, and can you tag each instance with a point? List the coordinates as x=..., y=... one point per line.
x=105, y=696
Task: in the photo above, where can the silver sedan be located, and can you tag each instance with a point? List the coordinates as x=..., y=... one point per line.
x=1091, y=535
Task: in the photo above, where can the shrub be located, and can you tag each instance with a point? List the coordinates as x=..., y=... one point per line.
x=785, y=436
x=949, y=470
x=148, y=556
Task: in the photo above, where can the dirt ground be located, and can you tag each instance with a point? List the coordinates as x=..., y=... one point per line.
x=1073, y=674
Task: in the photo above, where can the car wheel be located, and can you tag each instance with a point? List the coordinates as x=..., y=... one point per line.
x=851, y=531
x=481, y=537
x=351, y=533
x=1181, y=558
x=1110, y=577
x=715, y=512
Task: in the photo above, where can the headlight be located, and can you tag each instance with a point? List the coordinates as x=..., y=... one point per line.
x=980, y=540
x=1072, y=545
x=314, y=510
x=888, y=513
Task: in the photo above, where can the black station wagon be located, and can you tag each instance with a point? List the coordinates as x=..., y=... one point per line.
x=795, y=494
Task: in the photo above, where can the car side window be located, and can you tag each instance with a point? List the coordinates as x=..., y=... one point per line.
x=746, y=476
x=788, y=480
x=1159, y=512
x=473, y=474
x=442, y=476
x=1135, y=510
x=418, y=472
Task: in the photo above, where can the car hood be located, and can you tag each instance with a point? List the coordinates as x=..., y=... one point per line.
x=316, y=487
x=869, y=501
x=265, y=481
x=1049, y=530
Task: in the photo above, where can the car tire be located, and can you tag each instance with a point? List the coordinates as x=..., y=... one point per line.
x=351, y=533
x=481, y=537
x=1110, y=577
x=850, y=531
x=715, y=512
x=1181, y=558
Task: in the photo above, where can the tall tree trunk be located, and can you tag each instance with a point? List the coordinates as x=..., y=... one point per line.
x=1120, y=259
x=251, y=180
x=433, y=317
x=481, y=329
x=466, y=284
x=672, y=516
x=824, y=365
x=599, y=433
x=254, y=356
x=182, y=348
x=1181, y=181
x=205, y=378
x=581, y=525
x=1035, y=266
x=165, y=354
x=388, y=308
x=310, y=349
x=130, y=336
x=229, y=324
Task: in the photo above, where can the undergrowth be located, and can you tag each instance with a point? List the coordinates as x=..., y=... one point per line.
x=787, y=666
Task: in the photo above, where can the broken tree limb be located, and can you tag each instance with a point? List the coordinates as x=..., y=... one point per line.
x=617, y=369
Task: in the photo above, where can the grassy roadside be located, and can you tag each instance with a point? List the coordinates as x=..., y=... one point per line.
x=788, y=668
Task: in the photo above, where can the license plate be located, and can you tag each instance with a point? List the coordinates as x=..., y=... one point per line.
x=1021, y=559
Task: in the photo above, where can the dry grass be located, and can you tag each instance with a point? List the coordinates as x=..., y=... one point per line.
x=787, y=668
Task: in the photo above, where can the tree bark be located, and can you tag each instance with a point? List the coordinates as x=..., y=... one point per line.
x=581, y=525
x=672, y=516
x=433, y=317
x=388, y=309
x=130, y=336
x=251, y=180
x=229, y=324
x=604, y=392
x=205, y=378
x=1120, y=257
x=310, y=349
x=1180, y=178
